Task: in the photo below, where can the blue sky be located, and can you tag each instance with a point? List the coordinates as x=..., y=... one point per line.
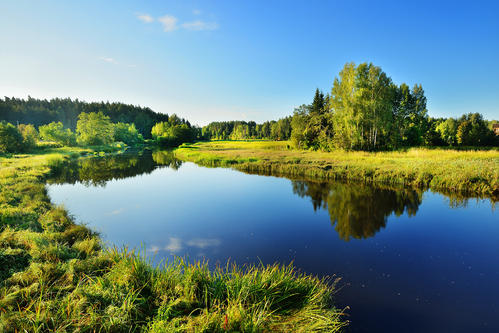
x=249, y=60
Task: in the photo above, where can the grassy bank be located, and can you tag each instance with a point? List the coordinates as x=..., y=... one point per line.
x=470, y=172
x=56, y=275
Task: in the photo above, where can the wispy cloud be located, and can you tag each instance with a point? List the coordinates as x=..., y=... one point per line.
x=146, y=18
x=117, y=211
x=174, y=245
x=169, y=22
x=203, y=243
x=109, y=60
x=199, y=25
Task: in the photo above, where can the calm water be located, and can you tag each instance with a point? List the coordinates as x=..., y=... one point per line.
x=409, y=261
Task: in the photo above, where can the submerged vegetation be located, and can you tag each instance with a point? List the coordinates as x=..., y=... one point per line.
x=57, y=276
x=469, y=172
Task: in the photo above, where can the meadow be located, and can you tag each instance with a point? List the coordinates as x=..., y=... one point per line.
x=57, y=275
x=468, y=172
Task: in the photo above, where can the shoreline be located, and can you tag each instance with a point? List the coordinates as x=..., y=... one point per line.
x=469, y=173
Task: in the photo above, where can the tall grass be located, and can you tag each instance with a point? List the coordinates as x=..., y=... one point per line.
x=468, y=172
x=56, y=276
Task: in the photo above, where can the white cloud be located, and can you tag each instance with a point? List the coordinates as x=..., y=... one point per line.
x=109, y=60
x=169, y=22
x=196, y=12
x=199, y=25
x=117, y=211
x=146, y=18
x=203, y=243
x=174, y=245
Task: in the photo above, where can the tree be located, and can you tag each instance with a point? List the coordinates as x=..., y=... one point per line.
x=473, y=131
x=55, y=132
x=30, y=135
x=448, y=131
x=318, y=105
x=299, y=123
x=11, y=140
x=94, y=129
x=127, y=133
x=172, y=134
x=361, y=102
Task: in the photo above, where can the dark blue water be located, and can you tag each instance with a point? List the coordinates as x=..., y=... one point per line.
x=409, y=261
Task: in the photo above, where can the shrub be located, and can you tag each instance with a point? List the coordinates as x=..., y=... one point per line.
x=11, y=140
x=56, y=132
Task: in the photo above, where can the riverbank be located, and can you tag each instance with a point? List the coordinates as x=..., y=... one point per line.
x=57, y=275
x=474, y=173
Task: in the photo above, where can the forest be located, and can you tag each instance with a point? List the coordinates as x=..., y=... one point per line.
x=93, y=129
x=66, y=111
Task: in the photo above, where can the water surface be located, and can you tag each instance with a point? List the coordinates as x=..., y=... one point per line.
x=409, y=260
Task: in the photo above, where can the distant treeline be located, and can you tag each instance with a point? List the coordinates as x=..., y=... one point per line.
x=238, y=130
x=364, y=111
x=65, y=110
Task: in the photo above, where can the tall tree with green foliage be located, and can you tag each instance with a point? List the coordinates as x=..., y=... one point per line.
x=362, y=103
x=94, y=129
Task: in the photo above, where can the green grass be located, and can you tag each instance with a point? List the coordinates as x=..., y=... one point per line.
x=471, y=172
x=56, y=276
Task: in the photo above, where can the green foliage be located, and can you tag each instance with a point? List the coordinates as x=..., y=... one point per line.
x=55, y=132
x=367, y=111
x=11, y=140
x=448, y=131
x=473, y=130
x=42, y=112
x=174, y=132
x=94, y=129
x=361, y=103
x=127, y=133
x=242, y=130
x=30, y=135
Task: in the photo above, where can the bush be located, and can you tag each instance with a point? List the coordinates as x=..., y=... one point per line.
x=127, y=133
x=30, y=135
x=11, y=140
x=56, y=132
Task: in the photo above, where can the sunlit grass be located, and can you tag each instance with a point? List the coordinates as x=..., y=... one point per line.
x=468, y=171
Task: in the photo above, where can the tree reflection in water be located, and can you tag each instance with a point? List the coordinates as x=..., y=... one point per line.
x=359, y=210
x=97, y=171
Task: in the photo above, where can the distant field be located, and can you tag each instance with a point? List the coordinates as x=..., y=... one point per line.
x=475, y=172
